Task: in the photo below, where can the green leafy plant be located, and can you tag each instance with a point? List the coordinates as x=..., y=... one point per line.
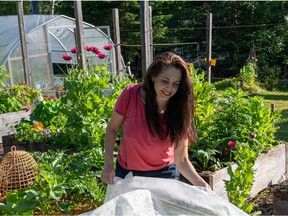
x=226, y=115
x=78, y=121
x=241, y=180
x=88, y=107
x=248, y=72
x=65, y=180
x=46, y=122
x=19, y=203
x=17, y=97
x=3, y=76
x=227, y=122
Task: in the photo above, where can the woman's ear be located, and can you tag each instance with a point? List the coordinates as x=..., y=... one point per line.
x=153, y=78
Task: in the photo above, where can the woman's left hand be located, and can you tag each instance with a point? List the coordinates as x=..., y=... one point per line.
x=204, y=184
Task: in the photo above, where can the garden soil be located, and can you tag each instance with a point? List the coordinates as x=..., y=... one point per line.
x=263, y=201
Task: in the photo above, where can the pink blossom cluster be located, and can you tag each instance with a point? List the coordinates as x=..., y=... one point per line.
x=96, y=51
x=92, y=49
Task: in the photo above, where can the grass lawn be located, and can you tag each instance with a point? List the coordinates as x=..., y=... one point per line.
x=280, y=101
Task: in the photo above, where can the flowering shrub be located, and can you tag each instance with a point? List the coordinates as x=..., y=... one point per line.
x=46, y=122
x=17, y=97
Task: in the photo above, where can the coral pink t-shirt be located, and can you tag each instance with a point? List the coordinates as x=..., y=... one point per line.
x=139, y=150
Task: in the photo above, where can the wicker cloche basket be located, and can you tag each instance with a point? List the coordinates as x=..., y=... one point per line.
x=18, y=169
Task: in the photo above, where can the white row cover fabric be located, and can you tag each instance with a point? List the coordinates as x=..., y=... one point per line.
x=157, y=196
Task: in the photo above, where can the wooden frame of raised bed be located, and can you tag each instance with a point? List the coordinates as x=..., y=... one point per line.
x=270, y=168
x=10, y=119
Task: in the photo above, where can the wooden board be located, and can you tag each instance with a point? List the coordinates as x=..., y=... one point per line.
x=10, y=119
x=270, y=168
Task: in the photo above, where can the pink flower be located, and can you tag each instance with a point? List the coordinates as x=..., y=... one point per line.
x=46, y=96
x=74, y=50
x=101, y=55
x=66, y=57
x=188, y=64
x=252, y=135
x=95, y=50
x=88, y=48
x=107, y=47
x=52, y=97
x=232, y=144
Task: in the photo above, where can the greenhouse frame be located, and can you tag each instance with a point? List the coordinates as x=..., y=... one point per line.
x=48, y=37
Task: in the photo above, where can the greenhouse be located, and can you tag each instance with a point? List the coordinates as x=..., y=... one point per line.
x=48, y=38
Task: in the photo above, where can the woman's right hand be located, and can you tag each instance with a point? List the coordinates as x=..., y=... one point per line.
x=108, y=174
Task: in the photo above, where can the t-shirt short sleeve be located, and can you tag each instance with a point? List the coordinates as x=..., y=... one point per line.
x=123, y=100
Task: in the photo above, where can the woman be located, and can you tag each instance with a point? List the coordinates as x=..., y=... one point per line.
x=158, y=125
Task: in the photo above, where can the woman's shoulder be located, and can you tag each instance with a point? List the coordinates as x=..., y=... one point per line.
x=133, y=86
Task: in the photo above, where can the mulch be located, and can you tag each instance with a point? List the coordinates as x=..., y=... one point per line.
x=9, y=141
x=272, y=200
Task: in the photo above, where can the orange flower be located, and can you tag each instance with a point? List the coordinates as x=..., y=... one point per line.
x=38, y=126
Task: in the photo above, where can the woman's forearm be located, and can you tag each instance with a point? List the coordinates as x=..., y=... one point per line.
x=188, y=171
x=110, y=139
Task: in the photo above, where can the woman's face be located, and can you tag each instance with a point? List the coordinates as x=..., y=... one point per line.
x=166, y=83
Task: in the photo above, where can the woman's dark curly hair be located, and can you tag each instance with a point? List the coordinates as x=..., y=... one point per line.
x=179, y=114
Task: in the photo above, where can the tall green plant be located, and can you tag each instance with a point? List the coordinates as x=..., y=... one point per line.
x=248, y=73
x=205, y=98
x=241, y=180
x=235, y=116
x=87, y=107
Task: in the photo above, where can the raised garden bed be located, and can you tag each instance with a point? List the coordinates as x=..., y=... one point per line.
x=7, y=120
x=10, y=119
x=270, y=168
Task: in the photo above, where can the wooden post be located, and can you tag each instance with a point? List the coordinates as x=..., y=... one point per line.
x=117, y=42
x=272, y=107
x=151, y=35
x=79, y=34
x=286, y=159
x=25, y=59
x=209, y=46
x=145, y=38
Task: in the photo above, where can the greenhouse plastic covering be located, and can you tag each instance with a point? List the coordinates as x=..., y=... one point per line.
x=48, y=37
x=9, y=32
x=157, y=196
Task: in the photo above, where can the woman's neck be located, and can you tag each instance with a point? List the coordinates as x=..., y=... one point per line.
x=162, y=105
